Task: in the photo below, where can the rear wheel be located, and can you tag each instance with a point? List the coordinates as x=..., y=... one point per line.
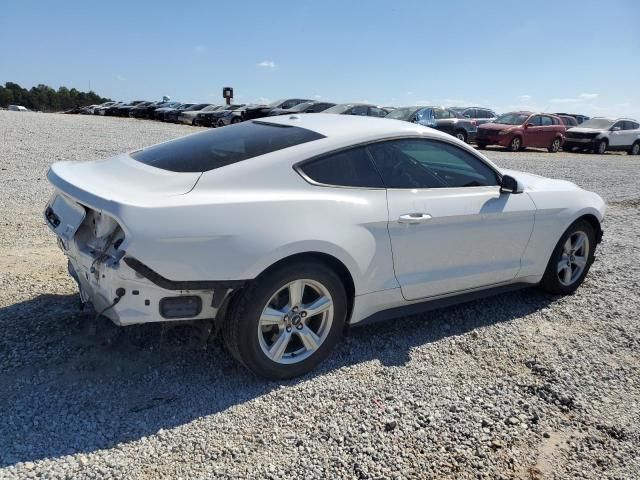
x=555, y=145
x=635, y=149
x=571, y=259
x=461, y=135
x=516, y=144
x=287, y=321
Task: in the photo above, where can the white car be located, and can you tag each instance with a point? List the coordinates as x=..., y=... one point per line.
x=17, y=108
x=601, y=134
x=288, y=229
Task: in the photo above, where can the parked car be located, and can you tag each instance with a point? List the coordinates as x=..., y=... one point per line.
x=166, y=115
x=230, y=117
x=240, y=225
x=601, y=134
x=568, y=121
x=210, y=119
x=579, y=118
x=146, y=110
x=123, y=110
x=259, y=111
x=304, y=107
x=17, y=108
x=519, y=130
x=173, y=115
x=360, y=109
x=443, y=119
x=102, y=110
x=478, y=114
x=158, y=113
x=189, y=115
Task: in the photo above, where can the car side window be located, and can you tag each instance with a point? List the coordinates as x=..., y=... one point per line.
x=630, y=125
x=619, y=126
x=360, y=110
x=349, y=168
x=536, y=120
x=419, y=163
x=439, y=113
x=377, y=112
x=471, y=113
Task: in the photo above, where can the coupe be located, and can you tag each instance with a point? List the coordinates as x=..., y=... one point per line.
x=284, y=231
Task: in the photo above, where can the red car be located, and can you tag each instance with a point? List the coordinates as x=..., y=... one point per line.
x=519, y=130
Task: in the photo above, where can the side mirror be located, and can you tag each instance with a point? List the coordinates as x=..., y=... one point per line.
x=615, y=129
x=529, y=125
x=510, y=185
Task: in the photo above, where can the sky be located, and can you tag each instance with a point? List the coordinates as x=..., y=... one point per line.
x=576, y=56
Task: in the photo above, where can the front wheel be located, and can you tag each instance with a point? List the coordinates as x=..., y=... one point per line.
x=516, y=144
x=571, y=259
x=601, y=147
x=284, y=323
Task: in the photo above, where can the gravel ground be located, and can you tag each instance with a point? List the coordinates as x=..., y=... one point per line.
x=524, y=386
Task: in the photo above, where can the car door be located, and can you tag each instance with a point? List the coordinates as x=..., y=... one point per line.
x=450, y=227
x=445, y=120
x=533, y=133
x=424, y=116
x=549, y=131
x=616, y=137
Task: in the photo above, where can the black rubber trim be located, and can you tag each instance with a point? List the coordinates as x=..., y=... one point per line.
x=428, y=305
x=167, y=284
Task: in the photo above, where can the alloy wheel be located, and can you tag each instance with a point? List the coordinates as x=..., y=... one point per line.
x=515, y=144
x=555, y=146
x=296, y=321
x=635, y=149
x=573, y=258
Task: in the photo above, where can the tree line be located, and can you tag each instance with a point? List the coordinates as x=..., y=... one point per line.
x=46, y=99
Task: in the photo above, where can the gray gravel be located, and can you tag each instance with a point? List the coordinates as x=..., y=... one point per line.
x=525, y=386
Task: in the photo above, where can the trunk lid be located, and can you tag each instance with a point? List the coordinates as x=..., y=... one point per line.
x=119, y=180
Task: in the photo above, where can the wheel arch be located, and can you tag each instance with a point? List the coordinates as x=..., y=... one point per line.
x=594, y=222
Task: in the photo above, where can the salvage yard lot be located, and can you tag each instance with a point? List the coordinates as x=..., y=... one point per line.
x=525, y=385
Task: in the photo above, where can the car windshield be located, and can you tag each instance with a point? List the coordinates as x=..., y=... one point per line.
x=196, y=107
x=275, y=103
x=598, y=123
x=301, y=106
x=223, y=146
x=210, y=108
x=402, y=113
x=512, y=118
x=341, y=108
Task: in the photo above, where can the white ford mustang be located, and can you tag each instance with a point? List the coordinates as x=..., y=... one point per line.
x=286, y=230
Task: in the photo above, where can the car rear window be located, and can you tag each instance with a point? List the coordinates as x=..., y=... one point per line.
x=223, y=146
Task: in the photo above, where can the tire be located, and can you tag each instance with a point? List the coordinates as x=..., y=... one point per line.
x=555, y=145
x=515, y=144
x=635, y=149
x=250, y=334
x=482, y=146
x=601, y=147
x=461, y=135
x=551, y=281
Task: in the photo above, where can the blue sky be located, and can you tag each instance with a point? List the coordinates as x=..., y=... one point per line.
x=579, y=56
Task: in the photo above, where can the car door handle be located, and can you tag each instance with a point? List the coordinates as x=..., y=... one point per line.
x=413, y=218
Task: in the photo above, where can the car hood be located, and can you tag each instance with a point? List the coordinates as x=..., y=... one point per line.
x=584, y=130
x=538, y=183
x=105, y=184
